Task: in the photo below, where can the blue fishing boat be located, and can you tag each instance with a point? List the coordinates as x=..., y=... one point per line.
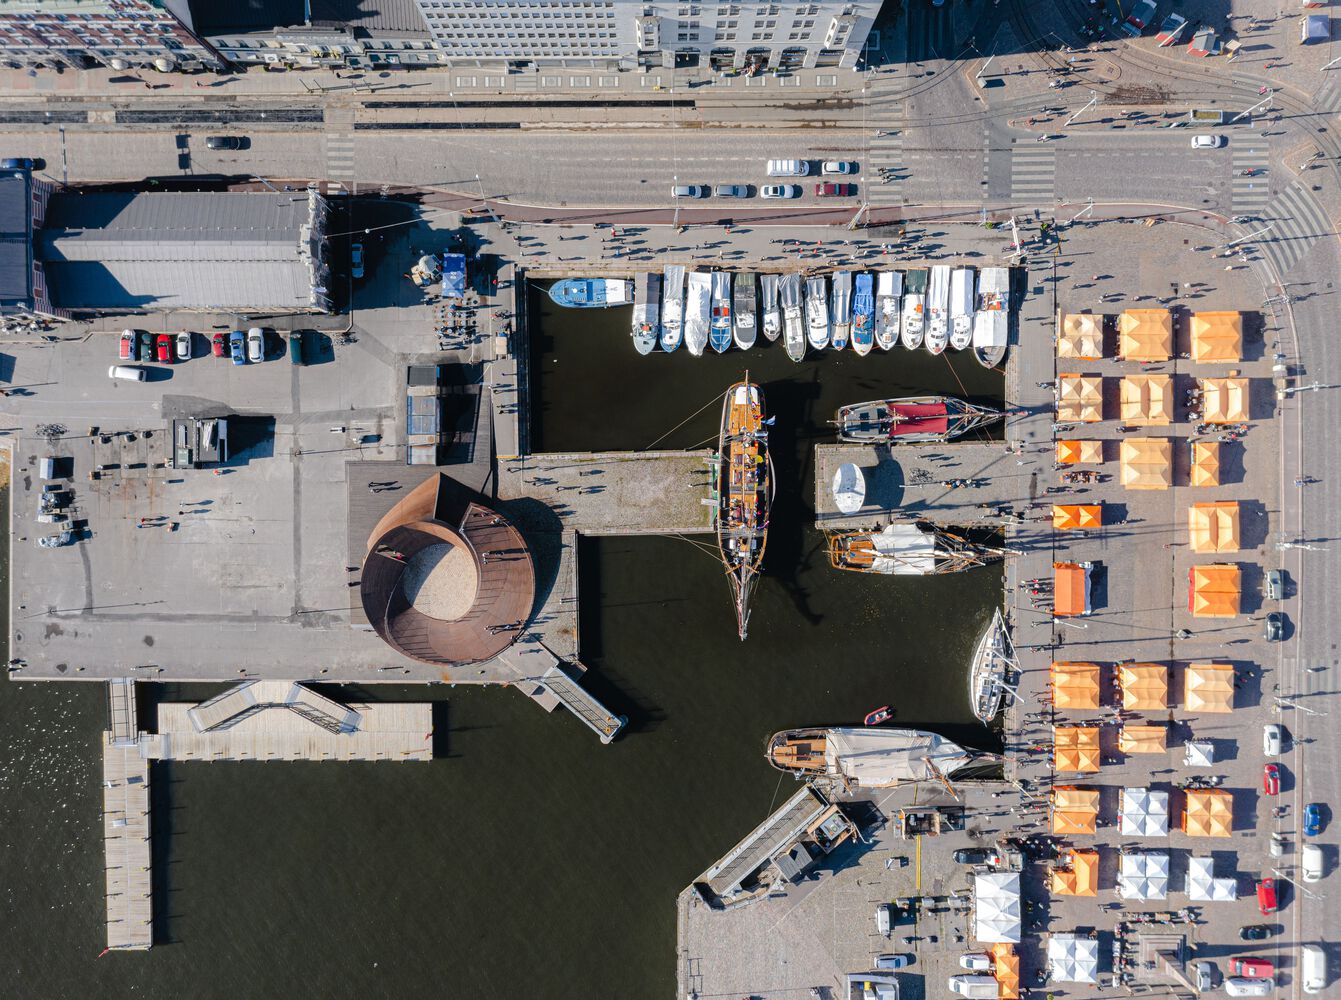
x=863, y=315
x=719, y=329
x=591, y=293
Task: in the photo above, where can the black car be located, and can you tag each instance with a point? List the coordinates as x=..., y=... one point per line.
x=224, y=142
x=146, y=345
x=1275, y=627
x=1256, y=932
x=972, y=856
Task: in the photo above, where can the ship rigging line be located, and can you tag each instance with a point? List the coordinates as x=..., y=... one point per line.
x=979, y=430
x=707, y=550
x=715, y=399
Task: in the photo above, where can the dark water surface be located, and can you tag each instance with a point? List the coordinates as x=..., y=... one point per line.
x=530, y=860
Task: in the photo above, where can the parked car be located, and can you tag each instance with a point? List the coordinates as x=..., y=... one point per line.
x=884, y=918
x=731, y=191
x=1203, y=974
x=356, y=260
x=1139, y=18
x=976, y=962
x=836, y=167
x=1312, y=863
x=1272, y=739
x=1275, y=626
x=237, y=347
x=830, y=190
x=296, y=346
x=1271, y=779
x=689, y=191
x=130, y=350
x=225, y=142
x=183, y=346
x=1276, y=848
x=1256, y=932
x=1237, y=987
x=1267, y=901
x=146, y=346
x=1207, y=141
x=972, y=856
x=780, y=191
x=1251, y=968
x=255, y=344
x=788, y=168
x=1275, y=585
x=893, y=961
x=1312, y=819
x=165, y=348
x=127, y=372
x=219, y=344
x=1313, y=968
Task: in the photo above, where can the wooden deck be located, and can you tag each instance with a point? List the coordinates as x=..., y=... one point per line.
x=125, y=825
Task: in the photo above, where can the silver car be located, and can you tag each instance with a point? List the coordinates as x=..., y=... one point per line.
x=255, y=344
x=780, y=191
x=731, y=191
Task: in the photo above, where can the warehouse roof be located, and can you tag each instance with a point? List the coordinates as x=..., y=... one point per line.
x=211, y=18
x=15, y=257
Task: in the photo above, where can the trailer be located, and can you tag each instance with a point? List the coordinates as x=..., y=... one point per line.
x=453, y=276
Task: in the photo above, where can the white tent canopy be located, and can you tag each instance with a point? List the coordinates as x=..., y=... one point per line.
x=996, y=898
x=1073, y=959
x=1199, y=753
x=1144, y=876
x=1145, y=813
x=1204, y=887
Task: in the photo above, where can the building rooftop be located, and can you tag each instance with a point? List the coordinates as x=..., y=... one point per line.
x=15, y=249
x=262, y=16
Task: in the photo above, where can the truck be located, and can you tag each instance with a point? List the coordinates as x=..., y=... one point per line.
x=453, y=276
x=1139, y=18
x=1207, y=116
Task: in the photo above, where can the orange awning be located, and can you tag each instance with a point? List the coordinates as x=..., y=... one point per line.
x=1145, y=686
x=1146, y=400
x=1080, y=452
x=1213, y=591
x=1147, y=463
x=1205, y=463
x=1214, y=527
x=1217, y=337
x=1209, y=812
x=1081, y=336
x=1224, y=400
x=1075, y=685
x=1076, y=748
x=1143, y=739
x=1074, y=810
x=1145, y=335
x=1080, y=398
x=1081, y=878
x=1071, y=517
x=1208, y=688
x=1070, y=590
x=1006, y=968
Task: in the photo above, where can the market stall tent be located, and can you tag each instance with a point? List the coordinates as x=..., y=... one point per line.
x=1070, y=589
x=1208, y=688
x=1208, y=812
x=1145, y=813
x=1145, y=335
x=1205, y=463
x=1204, y=887
x=1225, y=400
x=1213, y=591
x=1006, y=968
x=1146, y=400
x=1076, y=748
x=1080, y=452
x=1214, y=527
x=1080, y=878
x=1146, y=463
x=1075, y=686
x=1143, y=739
x=1145, y=686
x=1074, y=810
x=996, y=902
x=1082, y=336
x=1217, y=337
x=1075, y=517
x=1080, y=398
x=1143, y=876
x=1073, y=959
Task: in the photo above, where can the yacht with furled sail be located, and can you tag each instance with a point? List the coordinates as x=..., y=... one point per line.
x=719, y=330
x=961, y=308
x=841, y=308
x=768, y=286
x=747, y=320
x=646, y=311
x=697, y=312
x=591, y=293
x=868, y=757
x=938, y=304
x=993, y=661
x=888, y=294
x=912, y=419
x=908, y=548
x=744, y=492
x=863, y=315
x=990, y=321
x=817, y=313
x=793, y=319
x=672, y=307
x=914, y=308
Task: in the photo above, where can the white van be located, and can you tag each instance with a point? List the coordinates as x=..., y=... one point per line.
x=127, y=372
x=1311, y=862
x=975, y=987
x=1313, y=968
x=1238, y=987
x=883, y=919
x=788, y=168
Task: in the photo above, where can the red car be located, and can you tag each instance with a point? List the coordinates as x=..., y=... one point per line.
x=1266, y=896
x=164, y=342
x=128, y=346
x=829, y=190
x=220, y=345
x=1252, y=968
x=1271, y=779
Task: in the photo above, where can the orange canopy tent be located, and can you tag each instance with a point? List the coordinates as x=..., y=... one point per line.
x=1006, y=968
x=1075, y=685
x=1205, y=463
x=1080, y=452
x=1147, y=463
x=1209, y=812
x=1213, y=591
x=1080, y=398
x=1074, y=810
x=1076, y=748
x=1081, y=878
x=1208, y=688
x=1071, y=517
x=1082, y=336
x=1146, y=400
x=1143, y=739
x=1145, y=686
x=1217, y=337
x=1070, y=589
x=1145, y=335
x=1214, y=527
x=1225, y=400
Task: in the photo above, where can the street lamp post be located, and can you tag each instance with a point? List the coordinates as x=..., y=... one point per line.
x=1266, y=101
x=1094, y=100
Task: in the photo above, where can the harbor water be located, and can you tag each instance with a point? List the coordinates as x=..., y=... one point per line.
x=529, y=860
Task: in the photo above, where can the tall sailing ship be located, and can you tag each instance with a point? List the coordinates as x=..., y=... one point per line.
x=993, y=660
x=744, y=493
x=908, y=548
x=875, y=758
x=912, y=419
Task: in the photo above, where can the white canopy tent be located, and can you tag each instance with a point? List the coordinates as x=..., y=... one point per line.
x=1073, y=959
x=1144, y=876
x=1145, y=813
x=996, y=897
x=1204, y=887
x=1199, y=753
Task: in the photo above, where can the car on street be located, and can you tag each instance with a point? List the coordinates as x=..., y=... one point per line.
x=1207, y=141
x=1275, y=626
x=356, y=260
x=219, y=344
x=1275, y=584
x=972, y=856
x=780, y=191
x=1251, y=968
x=225, y=142
x=183, y=346
x=1267, y=901
x=255, y=344
x=1256, y=932
x=1312, y=819
x=788, y=168
x=237, y=347
x=165, y=348
x=831, y=190
x=1273, y=737
x=731, y=191
x=893, y=961
x=1312, y=863
x=689, y=191
x=130, y=350
x=836, y=167
x=1271, y=779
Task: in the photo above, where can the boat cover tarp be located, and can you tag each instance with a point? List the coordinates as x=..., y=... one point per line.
x=1070, y=590
x=1073, y=959
x=1217, y=337
x=904, y=549
x=849, y=488
x=996, y=899
x=1082, y=336
x=918, y=418
x=1075, y=685
x=1145, y=813
x=1208, y=688
x=1074, y=810
x=1076, y=748
x=1147, y=463
x=1224, y=400
x=1146, y=400
x=1074, y=517
x=1213, y=591
x=1144, y=876
x=1209, y=812
x=1006, y=968
x=989, y=328
x=1080, y=452
x=1145, y=686
x=1214, y=527
x=1145, y=335
x=1204, y=887
x=1143, y=739
x=1205, y=463
x=879, y=758
x=1080, y=398
x=1081, y=878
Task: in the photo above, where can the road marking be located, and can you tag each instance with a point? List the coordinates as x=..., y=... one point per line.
x=1298, y=223
x=1033, y=173
x=1250, y=193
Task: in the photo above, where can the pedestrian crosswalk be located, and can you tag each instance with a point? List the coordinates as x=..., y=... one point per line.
x=884, y=189
x=1297, y=222
x=1033, y=173
x=1251, y=160
x=339, y=157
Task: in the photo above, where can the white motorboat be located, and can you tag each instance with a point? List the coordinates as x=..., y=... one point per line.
x=746, y=321
x=914, y=309
x=768, y=305
x=888, y=292
x=938, y=305
x=961, y=308
x=698, y=312
x=991, y=320
x=646, y=311
x=793, y=320
x=817, y=313
x=840, y=309
x=672, y=307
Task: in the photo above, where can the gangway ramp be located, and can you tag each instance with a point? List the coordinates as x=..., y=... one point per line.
x=550, y=682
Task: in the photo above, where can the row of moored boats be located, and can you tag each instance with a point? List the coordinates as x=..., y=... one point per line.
x=937, y=308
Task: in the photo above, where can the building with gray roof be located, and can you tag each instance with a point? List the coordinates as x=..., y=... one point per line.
x=23, y=201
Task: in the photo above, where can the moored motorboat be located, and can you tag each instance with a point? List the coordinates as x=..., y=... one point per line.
x=938, y=304
x=914, y=308
x=745, y=492
x=817, y=313
x=908, y=548
x=991, y=321
x=961, y=308
x=840, y=309
x=719, y=329
x=646, y=311
x=874, y=758
x=746, y=324
x=912, y=419
x=849, y=488
x=591, y=293
x=793, y=317
x=768, y=305
x=888, y=294
x=863, y=315
x=882, y=714
x=672, y=307
x=993, y=660
x=697, y=312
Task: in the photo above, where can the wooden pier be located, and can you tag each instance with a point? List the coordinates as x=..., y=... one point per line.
x=125, y=827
